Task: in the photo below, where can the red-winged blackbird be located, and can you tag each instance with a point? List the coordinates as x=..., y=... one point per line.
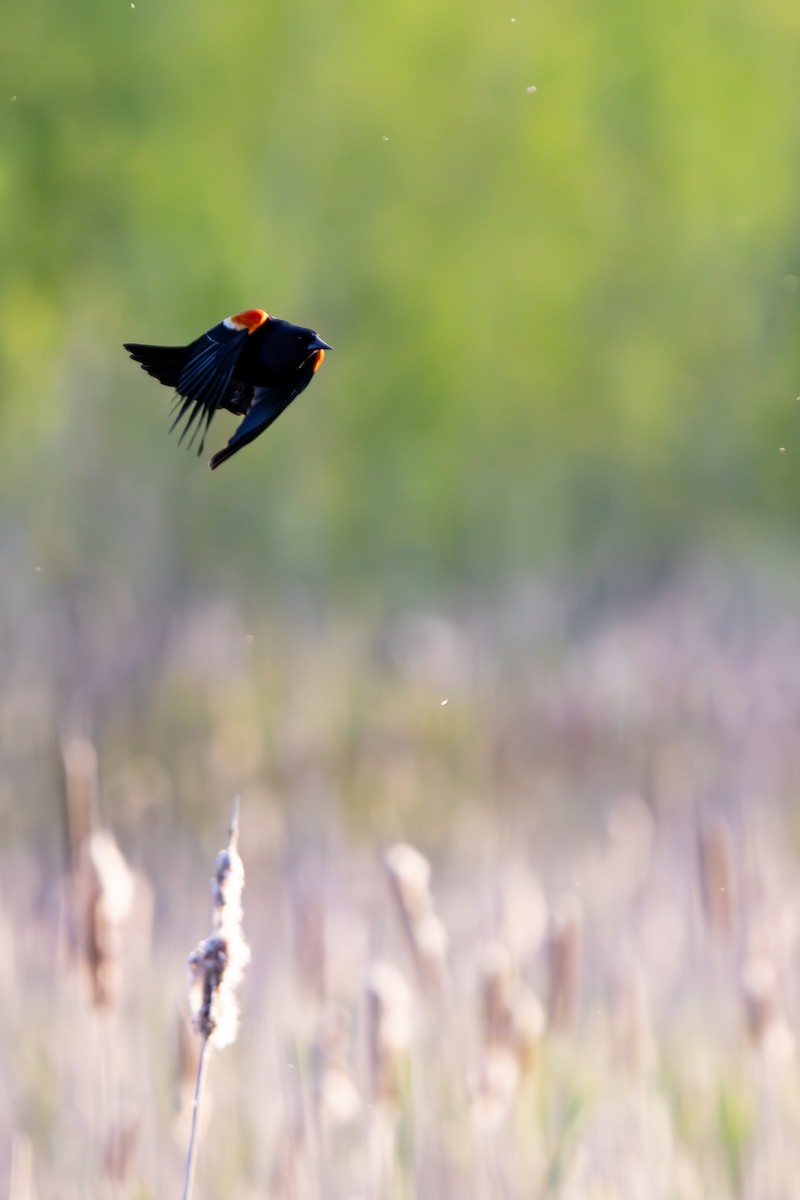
x=252, y=364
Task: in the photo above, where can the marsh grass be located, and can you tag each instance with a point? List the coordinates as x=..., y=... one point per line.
x=607, y=854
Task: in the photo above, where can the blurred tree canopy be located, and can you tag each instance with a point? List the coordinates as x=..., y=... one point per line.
x=555, y=247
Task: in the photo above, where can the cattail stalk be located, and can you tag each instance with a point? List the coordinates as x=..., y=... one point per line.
x=191, y=1154
x=215, y=969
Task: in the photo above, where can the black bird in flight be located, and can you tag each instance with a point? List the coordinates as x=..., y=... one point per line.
x=252, y=364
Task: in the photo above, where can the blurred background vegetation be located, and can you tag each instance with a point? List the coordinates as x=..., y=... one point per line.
x=520, y=563
x=554, y=246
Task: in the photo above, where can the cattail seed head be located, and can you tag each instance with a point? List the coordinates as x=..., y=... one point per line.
x=211, y=1012
x=217, y=966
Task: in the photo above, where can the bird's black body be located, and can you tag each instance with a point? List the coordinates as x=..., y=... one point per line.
x=251, y=364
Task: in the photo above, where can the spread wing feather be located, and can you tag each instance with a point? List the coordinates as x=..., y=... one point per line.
x=203, y=382
x=266, y=406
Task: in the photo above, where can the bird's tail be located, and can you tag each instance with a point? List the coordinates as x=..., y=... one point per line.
x=164, y=363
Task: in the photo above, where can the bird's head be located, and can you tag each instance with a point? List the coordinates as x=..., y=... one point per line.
x=291, y=346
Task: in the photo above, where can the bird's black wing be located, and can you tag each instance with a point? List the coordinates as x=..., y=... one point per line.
x=239, y=399
x=266, y=406
x=204, y=381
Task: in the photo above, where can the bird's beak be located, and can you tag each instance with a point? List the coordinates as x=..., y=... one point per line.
x=318, y=344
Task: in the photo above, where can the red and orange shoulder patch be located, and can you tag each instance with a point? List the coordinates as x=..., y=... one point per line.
x=250, y=320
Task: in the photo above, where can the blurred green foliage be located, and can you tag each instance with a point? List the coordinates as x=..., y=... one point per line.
x=554, y=245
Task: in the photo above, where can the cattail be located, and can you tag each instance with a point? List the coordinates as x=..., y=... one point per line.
x=336, y=1096
x=106, y=885
x=338, y=1101
x=388, y=1026
x=760, y=995
x=79, y=761
x=292, y=1176
x=409, y=875
x=528, y=1025
x=388, y=1030
x=717, y=877
x=764, y=1016
x=566, y=935
x=121, y=1146
x=216, y=968
x=631, y=832
x=493, y=1087
x=430, y=953
x=20, y=1183
x=497, y=981
x=522, y=912
x=512, y=1022
x=632, y=1040
x=308, y=914
x=217, y=965
x=512, y=1016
